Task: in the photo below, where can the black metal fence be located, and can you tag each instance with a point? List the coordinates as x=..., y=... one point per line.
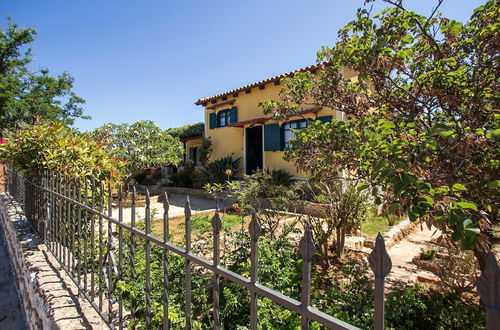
x=75, y=219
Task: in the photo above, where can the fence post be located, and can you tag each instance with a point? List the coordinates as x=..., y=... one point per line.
x=255, y=231
x=148, y=262
x=488, y=285
x=166, y=238
x=216, y=225
x=380, y=264
x=187, y=274
x=306, y=247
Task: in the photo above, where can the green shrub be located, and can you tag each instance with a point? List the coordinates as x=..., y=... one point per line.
x=186, y=178
x=416, y=308
x=280, y=177
x=428, y=254
x=219, y=171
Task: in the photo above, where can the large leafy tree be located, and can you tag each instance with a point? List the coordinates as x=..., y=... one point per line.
x=425, y=102
x=27, y=96
x=141, y=145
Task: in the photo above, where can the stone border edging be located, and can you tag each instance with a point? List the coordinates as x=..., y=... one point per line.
x=188, y=191
x=49, y=297
x=395, y=234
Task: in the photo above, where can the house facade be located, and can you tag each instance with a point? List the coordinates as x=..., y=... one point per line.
x=192, y=146
x=239, y=128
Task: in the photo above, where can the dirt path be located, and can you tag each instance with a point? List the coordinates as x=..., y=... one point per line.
x=11, y=315
x=402, y=253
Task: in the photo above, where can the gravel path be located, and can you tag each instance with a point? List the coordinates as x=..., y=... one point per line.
x=11, y=315
x=176, y=201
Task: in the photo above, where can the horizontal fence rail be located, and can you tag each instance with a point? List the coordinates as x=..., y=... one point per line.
x=99, y=251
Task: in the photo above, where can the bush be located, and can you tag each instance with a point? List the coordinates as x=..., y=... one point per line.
x=417, y=308
x=186, y=178
x=56, y=147
x=428, y=254
x=280, y=177
x=457, y=270
x=345, y=209
x=219, y=171
x=205, y=149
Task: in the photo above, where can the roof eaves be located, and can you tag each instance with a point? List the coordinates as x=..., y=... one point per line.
x=258, y=83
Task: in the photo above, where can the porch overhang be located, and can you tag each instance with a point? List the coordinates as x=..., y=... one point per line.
x=249, y=122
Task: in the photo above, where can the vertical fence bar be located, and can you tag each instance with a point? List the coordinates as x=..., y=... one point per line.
x=53, y=201
x=187, y=274
x=101, y=245
x=120, y=255
x=216, y=225
x=92, y=241
x=59, y=216
x=80, y=230
x=45, y=197
x=380, y=263
x=166, y=234
x=86, y=219
x=109, y=244
x=148, y=262
x=50, y=209
x=73, y=222
x=255, y=231
x=488, y=287
x=306, y=247
x=64, y=220
x=132, y=249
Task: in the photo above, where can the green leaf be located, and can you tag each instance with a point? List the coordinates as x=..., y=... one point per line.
x=465, y=205
x=363, y=186
x=396, y=206
x=493, y=184
x=458, y=187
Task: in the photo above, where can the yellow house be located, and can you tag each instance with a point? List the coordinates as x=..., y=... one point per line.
x=239, y=128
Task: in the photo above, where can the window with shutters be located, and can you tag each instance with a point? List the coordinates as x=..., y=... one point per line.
x=288, y=131
x=223, y=118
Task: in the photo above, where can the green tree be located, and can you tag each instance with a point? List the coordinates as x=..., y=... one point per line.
x=426, y=102
x=27, y=96
x=141, y=145
x=56, y=147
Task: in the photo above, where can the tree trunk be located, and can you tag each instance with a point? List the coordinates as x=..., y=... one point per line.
x=340, y=247
x=481, y=258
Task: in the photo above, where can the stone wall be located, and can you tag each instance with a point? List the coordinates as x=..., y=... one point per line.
x=49, y=297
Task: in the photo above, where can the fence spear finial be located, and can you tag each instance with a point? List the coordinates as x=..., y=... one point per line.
x=254, y=227
x=166, y=205
x=187, y=207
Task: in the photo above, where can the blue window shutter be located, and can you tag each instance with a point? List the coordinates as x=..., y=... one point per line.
x=325, y=119
x=233, y=115
x=213, y=120
x=272, y=140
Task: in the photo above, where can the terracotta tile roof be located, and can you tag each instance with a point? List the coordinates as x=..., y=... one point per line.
x=213, y=106
x=258, y=83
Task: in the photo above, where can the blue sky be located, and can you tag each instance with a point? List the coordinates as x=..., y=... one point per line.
x=135, y=60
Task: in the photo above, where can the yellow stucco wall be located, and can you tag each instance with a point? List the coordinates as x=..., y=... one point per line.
x=193, y=143
x=230, y=140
